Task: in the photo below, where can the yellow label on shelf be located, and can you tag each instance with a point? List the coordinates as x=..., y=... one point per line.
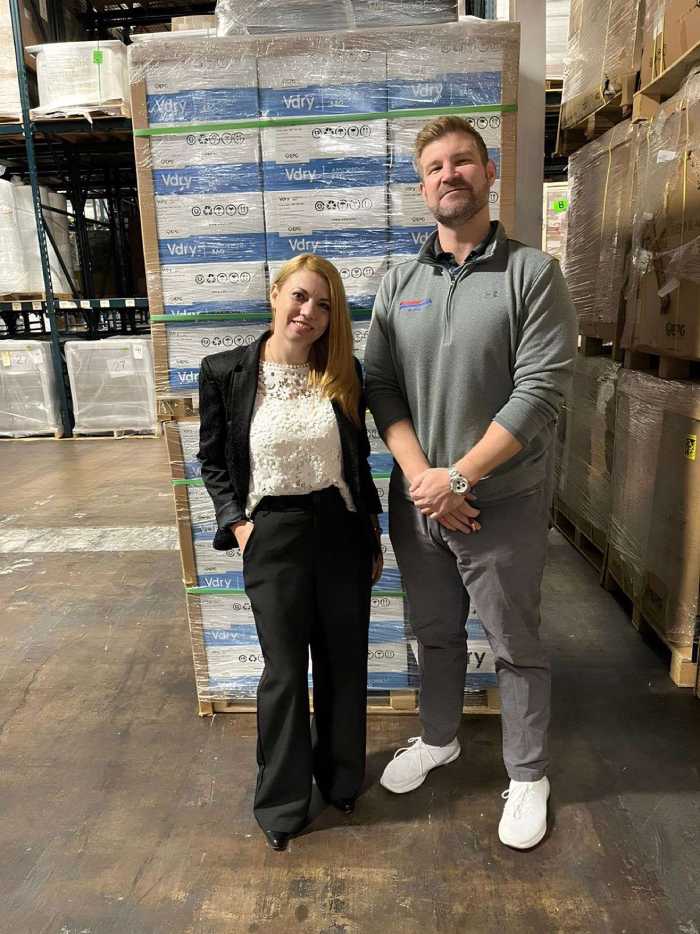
x=691, y=447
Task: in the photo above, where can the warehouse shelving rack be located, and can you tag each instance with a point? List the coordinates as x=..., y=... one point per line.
x=87, y=160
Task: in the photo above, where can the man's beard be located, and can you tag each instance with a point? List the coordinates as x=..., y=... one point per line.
x=460, y=210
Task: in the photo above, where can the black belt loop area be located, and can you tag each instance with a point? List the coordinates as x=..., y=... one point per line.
x=309, y=502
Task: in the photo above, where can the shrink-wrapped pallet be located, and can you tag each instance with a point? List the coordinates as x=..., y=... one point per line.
x=20, y=261
x=585, y=463
x=111, y=383
x=664, y=297
x=321, y=102
x=599, y=229
x=76, y=76
x=654, y=530
x=603, y=56
x=252, y=17
x=29, y=402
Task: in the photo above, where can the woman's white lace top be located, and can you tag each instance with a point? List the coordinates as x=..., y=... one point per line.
x=294, y=438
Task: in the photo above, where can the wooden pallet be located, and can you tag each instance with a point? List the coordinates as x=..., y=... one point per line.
x=603, y=118
x=389, y=703
x=600, y=347
x=582, y=534
x=683, y=668
x=659, y=364
x=56, y=435
x=665, y=85
x=31, y=297
x=114, y=109
x=113, y=433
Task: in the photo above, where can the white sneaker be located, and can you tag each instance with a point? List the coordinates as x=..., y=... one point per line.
x=410, y=766
x=524, y=820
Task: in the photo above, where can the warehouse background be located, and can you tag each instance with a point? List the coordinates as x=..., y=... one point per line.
x=159, y=163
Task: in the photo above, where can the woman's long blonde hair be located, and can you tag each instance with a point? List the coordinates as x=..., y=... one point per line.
x=330, y=360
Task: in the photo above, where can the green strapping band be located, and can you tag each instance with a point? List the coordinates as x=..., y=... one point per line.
x=230, y=592
x=193, y=481
x=360, y=314
x=260, y=124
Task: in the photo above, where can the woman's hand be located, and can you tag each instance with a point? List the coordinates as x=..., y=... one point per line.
x=242, y=532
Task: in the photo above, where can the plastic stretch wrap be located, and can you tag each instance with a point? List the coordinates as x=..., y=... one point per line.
x=29, y=402
x=655, y=528
x=80, y=75
x=599, y=228
x=557, y=35
x=585, y=464
x=603, y=55
x=111, y=383
x=20, y=263
x=671, y=28
x=256, y=17
x=555, y=206
x=664, y=297
x=252, y=151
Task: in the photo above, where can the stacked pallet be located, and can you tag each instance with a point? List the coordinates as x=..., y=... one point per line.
x=249, y=152
x=601, y=67
x=633, y=267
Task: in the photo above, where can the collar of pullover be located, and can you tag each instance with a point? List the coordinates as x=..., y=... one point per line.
x=433, y=254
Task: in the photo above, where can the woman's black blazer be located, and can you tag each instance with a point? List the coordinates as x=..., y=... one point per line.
x=228, y=384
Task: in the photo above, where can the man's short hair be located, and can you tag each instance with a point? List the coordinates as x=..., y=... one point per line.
x=440, y=127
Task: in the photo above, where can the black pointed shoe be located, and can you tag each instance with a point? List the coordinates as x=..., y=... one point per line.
x=277, y=839
x=345, y=805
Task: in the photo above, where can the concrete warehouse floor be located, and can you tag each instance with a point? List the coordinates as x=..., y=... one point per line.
x=123, y=812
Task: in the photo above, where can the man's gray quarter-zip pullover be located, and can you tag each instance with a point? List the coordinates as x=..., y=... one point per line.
x=494, y=340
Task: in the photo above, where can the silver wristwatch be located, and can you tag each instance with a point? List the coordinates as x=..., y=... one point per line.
x=458, y=483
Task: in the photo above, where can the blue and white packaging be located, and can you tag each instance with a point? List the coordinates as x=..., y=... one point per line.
x=214, y=569
x=214, y=288
x=360, y=330
x=189, y=341
x=325, y=184
x=317, y=83
x=205, y=148
x=188, y=433
x=199, y=81
x=387, y=656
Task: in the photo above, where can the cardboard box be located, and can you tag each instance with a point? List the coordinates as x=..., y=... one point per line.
x=671, y=565
x=671, y=28
x=584, y=490
x=603, y=56
x=654, y=551
x=662, y=312
x=599, y=229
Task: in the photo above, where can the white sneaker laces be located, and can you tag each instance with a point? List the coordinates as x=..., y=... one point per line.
x=412, y=740
x=518, y=803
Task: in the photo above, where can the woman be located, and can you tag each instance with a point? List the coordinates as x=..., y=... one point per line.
x=284, y=457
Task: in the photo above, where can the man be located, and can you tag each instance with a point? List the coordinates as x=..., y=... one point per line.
x=469, y=356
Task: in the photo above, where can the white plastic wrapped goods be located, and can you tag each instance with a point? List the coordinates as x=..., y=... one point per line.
x=229, y=661
x=80, y=74
x=180, y=346
x=29, y=403
x=252, y=17
x=557, y=37
x=20, y=263
x=112, y=384
x=325, y=184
